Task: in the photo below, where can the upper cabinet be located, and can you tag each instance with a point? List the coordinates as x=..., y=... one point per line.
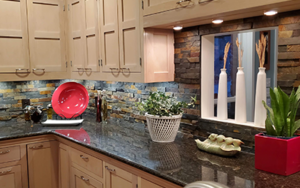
x=168, y=13
x=47, y=35
x=83, y=35
x=156, y=6
x=14, y=52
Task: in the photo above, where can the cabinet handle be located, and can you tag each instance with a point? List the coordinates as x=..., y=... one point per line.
x=84, y=179
x=202, y=2
x=124, y=69
x=182, y=1
x=5, y=172
x=83, y=157
x=88, y=69
x=36, y=147
x=110, y=170
x=38, y=70
x=4, y=152
x=27, y=70
x=114, y=68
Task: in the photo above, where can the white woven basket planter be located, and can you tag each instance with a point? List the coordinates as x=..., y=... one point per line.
x=163, y=129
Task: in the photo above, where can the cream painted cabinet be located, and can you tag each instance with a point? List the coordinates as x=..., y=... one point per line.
x=43, y=164
x=156, y=6
x=83, y=35
x=14, y=53
x=10, y=177
x=109, y=35
x=159, y=55
x=80, y=179
x=120, y=35
x=46, y=23
x=116, y=178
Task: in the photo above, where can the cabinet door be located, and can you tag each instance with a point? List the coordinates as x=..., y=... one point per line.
x=76, y=36
x=42, y=164
x=14, y=53
x=91, y=35
x=129, y=35
x=63, y=167
x=46, y=22
x=159, y=55
x=109, y=35
x=147, y=184
x=156, y=6
x=116, y=178
x=10, y=177
x=80, y=179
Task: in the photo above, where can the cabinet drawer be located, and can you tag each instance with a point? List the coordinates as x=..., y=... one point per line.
x=11, y=177
x=8, y=154
x=88, y=162
x=80, y=180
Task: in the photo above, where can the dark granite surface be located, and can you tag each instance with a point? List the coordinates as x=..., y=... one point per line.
x=179, y=162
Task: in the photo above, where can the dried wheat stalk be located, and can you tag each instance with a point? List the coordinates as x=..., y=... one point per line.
x=240, y=50
x=227, y=47
x=261, y=49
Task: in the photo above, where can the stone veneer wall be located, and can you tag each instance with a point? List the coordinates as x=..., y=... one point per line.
x=187, y=79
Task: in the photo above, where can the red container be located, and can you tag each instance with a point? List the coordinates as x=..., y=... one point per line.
x=278, y=156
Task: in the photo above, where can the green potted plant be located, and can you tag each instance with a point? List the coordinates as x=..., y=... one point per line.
x=277, y=151
x=163, y=114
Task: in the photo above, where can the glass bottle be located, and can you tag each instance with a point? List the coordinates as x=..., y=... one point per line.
x=98, y=106
x=104, y=107
x=49, y=112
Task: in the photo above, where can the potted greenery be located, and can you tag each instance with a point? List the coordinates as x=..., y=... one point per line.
x=163, y=114
x=277, y=151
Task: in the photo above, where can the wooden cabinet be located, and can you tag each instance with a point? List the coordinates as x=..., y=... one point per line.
x=147, y=184
x=159, y=55
x=43, y=164
x=157, y=6
x=46, y=20
x=10, y=177
x=63, y=165
x=80, y=179
x=83, y=35
x=14, y=53
x=109, y=36
x=116, y=177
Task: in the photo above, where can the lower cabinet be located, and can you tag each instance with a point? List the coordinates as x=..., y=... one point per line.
x=42, y=164
x=147, y=184
x=116, y=177
x=10, y=177
x=80, y=179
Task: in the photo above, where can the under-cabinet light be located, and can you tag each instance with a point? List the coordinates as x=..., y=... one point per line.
x=217, y=21
x=271, y=13
x=177, y=28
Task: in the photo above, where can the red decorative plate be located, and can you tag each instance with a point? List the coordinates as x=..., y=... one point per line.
x=70, y=100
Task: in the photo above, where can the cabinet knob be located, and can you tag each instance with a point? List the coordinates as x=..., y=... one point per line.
x=84, y=179
x=110, y=170
x=83, y=157
x=36, y=147
x=4, y=152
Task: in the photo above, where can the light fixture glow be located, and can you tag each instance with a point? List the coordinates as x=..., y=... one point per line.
x=271, y=13
x=217, y=21
x=177, y=28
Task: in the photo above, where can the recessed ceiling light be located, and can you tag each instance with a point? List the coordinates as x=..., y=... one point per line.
x=217, y=21
x=177, y=28
x=271, y=13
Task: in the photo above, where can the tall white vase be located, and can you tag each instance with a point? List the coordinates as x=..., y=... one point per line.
x=222, y=111
x=260, y=113
x=240, y=97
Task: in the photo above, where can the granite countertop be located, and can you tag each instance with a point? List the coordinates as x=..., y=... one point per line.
x=179, y=162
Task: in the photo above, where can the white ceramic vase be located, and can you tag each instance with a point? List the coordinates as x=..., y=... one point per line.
x=240, y=97
x=260, y=113
x=222, y=110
